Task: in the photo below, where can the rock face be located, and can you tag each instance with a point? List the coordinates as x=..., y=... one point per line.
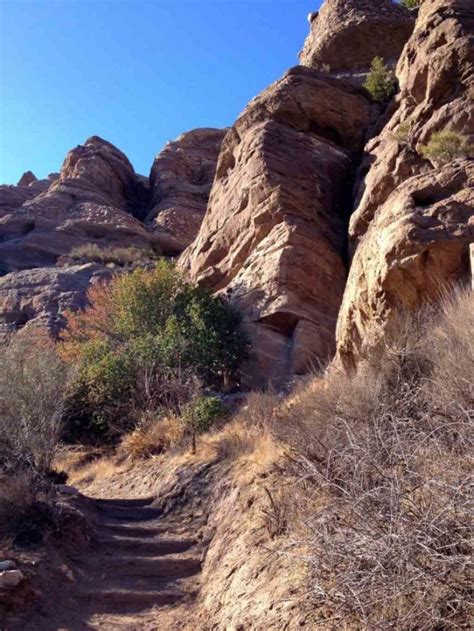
x=39, y=297
x=90, y=202
x=181, y=178
x=413, y=221
x=274, y=233
x=347, y=34
x=97, y=198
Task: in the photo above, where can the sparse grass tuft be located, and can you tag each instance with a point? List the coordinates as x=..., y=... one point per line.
x=115, y=255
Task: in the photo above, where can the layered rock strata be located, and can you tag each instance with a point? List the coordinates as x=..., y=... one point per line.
x=180, y=179
x=414, y=217
x=273, y=238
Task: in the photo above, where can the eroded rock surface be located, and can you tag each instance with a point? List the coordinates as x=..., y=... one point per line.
x=39, y=297
x=413, y=221
x=346, y=35
x=90, y=202
x=274, y=232
x=181, y=178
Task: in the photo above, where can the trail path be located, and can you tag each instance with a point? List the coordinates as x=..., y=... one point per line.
x=141, y=572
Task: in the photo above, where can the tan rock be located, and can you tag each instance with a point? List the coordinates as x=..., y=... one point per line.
x=416, y=245
x=413, y=221
x=436, y=76
x=91, y=202
x=27, y=178
x=273, y=235
x=181, y=178
x=39, y=297
x=347, y=34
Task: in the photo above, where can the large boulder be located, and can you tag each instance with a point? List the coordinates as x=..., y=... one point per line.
x=91, y=202
x=39, y=297
x=416, y=246
x=346, y=35
x=273, y=238
x=181, y=178
x=413, y=220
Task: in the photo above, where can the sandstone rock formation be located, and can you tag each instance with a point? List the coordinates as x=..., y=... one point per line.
x=39, y=297
x=274, y=233
x=90, y=202
x=347, y=34
x=413, y=221
x=181, y=178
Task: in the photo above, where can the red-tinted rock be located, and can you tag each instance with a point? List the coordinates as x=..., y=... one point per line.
x=181, y=178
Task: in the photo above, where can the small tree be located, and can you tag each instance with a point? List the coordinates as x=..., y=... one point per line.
x=446, y=145
x=381, y=82
x=200, y=414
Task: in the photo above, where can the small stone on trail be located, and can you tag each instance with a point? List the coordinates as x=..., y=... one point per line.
x=11, y=578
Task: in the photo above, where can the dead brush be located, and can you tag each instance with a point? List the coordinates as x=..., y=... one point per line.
x=389, y=449
x=275, y=516
x=151, y=438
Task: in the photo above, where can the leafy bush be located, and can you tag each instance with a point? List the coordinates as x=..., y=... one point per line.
x=33, y=383
x=410, y=4
x=116, y=255
x=387, y=450
x=202, y=413
x=147, y=341
x=446, y=145
x=381, y=82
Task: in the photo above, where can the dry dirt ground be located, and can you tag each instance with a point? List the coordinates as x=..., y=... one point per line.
x=179, y=542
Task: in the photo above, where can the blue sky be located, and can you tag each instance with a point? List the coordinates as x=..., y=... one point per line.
x=136, y=72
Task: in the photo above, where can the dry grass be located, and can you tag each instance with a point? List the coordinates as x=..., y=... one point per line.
x=151, y=438
x=247, y=436
x=115, y=255
x=385, y=473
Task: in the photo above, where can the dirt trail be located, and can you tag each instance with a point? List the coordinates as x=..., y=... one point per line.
x=141, y=572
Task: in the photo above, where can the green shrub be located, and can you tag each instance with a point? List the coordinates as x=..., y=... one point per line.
x=410, y=4
x=202, y=413
x=381, y=82
x=148, y=341
x=446, y=145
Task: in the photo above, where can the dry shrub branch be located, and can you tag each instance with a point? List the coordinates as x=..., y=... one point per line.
x=386, y=460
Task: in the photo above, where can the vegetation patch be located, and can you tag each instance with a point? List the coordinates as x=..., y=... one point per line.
x=148, y=342
x=385, y=477
x=381, y=82
x=111, y=255
x=447, y=145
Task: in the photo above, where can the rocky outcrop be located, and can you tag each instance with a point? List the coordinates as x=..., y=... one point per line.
x=416, y=245
x=39, y=297
x=90, y=202
x=346, y=35
x=27, y=178
x=413, y=220
x=181, y=178
x=274, y=233
x=436, y=75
